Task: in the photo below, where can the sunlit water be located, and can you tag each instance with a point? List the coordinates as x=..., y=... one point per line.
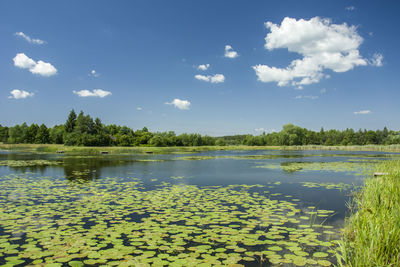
x=254, y=208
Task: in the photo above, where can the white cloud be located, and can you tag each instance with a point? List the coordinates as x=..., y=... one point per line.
x=203, y=77
x=203, y=66
x=230, y=53
x=94, y=73
x=29, y=39
x=42, y=68
x=350, y=8
x=323, y=91
x=217, y=78
x=24, y=62
x=376, y=60
x=312, y=97
x=20, y=94
x=95, y=93
x=321, y=44
x=362, y=112
x=180, y=104
x=139, y=108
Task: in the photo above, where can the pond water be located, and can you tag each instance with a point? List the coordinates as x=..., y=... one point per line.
x=249, y=208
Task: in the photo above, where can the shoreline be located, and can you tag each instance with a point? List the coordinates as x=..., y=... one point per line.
x=53, y=148
x=371, y=235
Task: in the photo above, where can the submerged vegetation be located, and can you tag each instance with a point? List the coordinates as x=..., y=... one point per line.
x=372, y=233
x=82, y=130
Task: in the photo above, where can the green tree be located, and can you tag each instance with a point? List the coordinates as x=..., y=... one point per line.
x=70, y=123
x=43, y=135
x=98, y=126
x=30, y=135
x=57, y=134
x=84, y=124
x=17, y=133
x=3, y=133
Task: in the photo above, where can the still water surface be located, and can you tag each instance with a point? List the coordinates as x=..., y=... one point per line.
x=254, y=208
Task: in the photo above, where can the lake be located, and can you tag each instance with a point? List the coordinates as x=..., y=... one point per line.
x=252, y=208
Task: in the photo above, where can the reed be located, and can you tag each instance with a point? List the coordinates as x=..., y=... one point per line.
x=371, y=235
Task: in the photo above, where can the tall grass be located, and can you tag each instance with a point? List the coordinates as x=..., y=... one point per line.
x=372, y=232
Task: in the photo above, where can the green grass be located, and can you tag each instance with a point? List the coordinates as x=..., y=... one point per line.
x=372, y=232
x=52, y=148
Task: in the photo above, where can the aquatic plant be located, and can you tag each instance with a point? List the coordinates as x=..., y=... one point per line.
x=113, y=221
x=28, y=163
x=336, y=166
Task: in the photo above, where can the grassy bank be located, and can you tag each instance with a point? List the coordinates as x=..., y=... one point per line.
x=121, y=150
x=52, y=148
x=372, y=233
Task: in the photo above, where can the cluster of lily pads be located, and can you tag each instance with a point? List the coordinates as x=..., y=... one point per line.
x=338, y=186
x=246, y=157
x=28, y=163
x=335, y=166
x=118, y=222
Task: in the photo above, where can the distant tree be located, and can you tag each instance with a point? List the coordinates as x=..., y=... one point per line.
x=142, y=137
x=57, y=134
x=84, y=124
x=220, y=142
x=98, y=126
x=3, y=133
x=17, y=134
x=157, y=140
x=70, y=123
x=30, y=135
x=43, y=135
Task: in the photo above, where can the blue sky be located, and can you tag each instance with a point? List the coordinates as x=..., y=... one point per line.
x=331, y=64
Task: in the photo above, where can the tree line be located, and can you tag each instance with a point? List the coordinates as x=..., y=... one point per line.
x=83, y=130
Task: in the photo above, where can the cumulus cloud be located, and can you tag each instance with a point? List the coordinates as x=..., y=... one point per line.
x=376, y=60
x=94, y=73
x=29, y=39
x=24, y=62
x=139, y=108
x=180, y=104
x=203, y=66
x=217, y=78
x=20, y=94
x=95, y=93
x=362, y=112
x=42, y=68
x=312, y=97
x=230, y=53
x=321, y=44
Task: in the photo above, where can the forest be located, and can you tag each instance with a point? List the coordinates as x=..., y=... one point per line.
x=83, y=130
